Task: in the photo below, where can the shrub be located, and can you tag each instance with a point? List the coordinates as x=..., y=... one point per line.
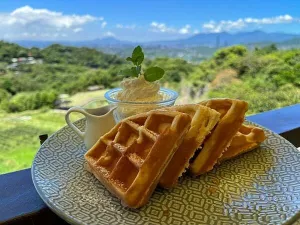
x=4, y=95
x=4, y=98
x=259, y=101
x=230, y=52
x=31, y=100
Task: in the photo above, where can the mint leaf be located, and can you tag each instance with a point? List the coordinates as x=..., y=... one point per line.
x=134, y=72
x=126, y=72
x=137, y=56
x=153, y=73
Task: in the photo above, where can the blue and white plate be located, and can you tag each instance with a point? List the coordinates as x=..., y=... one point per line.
x=259, y=187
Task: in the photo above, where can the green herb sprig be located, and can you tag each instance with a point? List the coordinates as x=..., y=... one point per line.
x=137, y=57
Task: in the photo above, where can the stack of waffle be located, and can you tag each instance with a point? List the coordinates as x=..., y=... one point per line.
x=157, y=147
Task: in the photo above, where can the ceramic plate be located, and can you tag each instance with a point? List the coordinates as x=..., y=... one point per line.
x=259, y=187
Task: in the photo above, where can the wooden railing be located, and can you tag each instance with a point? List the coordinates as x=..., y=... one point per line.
x=20, y=203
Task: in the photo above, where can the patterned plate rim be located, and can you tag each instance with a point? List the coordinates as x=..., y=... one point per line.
x=51, y=206
x=74, y=221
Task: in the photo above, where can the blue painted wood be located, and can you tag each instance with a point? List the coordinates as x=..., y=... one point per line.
x=18, y=195
x=21, y=204
x=18, y=198
x=279, y=120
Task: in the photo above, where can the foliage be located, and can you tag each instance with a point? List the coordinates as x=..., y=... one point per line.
x=226, y=54
x=19, y=134
x=87, y=57
x=267, y=78
x=259, y=101
x=233, y=69
x=63, y=78
x=8, y=51
x=175, y=69
x=137, y=57
x=31, y=100
x=4, y=99
x=266, y=50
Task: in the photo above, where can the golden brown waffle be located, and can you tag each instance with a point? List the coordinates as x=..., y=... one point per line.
x=203, y=121
x=130, y=159
x=232, y=116
x=247, y=138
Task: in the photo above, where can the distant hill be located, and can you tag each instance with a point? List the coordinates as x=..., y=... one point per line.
x=292, y=42
x=109, y=41
x=193, y=49
x=96, y=43
x=225, y=39
x=204, y=39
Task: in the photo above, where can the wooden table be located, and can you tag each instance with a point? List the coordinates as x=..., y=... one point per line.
x=20, y=203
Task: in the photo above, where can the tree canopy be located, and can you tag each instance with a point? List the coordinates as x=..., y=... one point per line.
x=266, y=77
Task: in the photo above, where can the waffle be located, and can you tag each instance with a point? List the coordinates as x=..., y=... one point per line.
x=203, y=121
x=130, y=159
x=247, y=138
x=232, y=116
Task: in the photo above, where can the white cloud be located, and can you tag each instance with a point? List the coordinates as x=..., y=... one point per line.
x=196, y=31
x=77, y=29
x=185, y=29
x=163, y=28
x=228, y=25
x=27, y=16
x=43, y=21
x=103, y=24
x=33, y=35
x=130, y=27
x=109, y=34
x=273, y=20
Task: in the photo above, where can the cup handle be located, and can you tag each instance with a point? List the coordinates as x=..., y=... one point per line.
x=71, y=125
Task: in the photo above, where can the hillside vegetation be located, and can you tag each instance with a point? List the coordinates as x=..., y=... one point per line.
x=266, y=77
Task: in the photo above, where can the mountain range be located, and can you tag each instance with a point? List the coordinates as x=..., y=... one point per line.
x=204, y=39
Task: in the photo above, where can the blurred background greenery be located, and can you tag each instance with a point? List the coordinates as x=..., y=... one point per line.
x=34, y=96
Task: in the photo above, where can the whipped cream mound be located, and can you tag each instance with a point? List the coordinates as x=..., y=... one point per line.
x=139, y=90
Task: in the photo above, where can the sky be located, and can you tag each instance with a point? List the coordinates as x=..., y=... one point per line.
x=142, y=20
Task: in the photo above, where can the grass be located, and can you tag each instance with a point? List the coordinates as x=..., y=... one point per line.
x=19, y=136
x=83, y=98
x=19, y=132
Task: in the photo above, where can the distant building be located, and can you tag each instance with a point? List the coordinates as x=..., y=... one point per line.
x=23, y=60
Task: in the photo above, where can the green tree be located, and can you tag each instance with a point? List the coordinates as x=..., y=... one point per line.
x=224, y=54
x=266, y=50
